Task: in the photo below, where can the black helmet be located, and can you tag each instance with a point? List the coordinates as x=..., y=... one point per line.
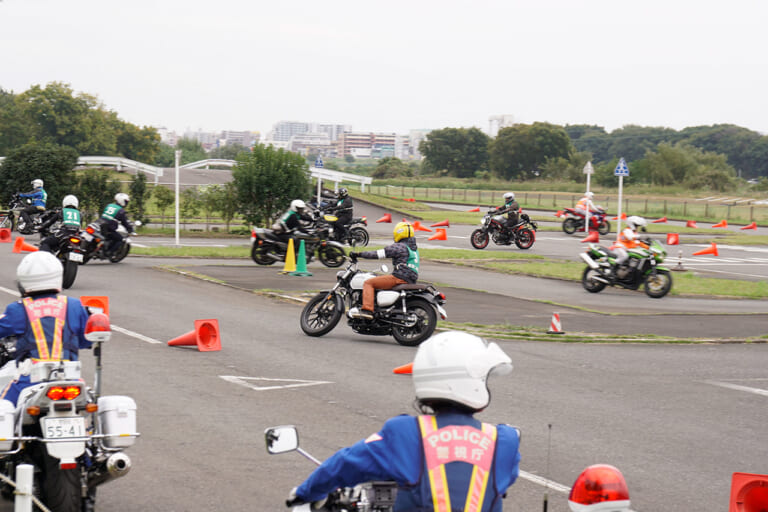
x=343, y=192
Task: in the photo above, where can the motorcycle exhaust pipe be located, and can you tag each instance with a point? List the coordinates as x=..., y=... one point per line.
x=117, y=465
x=589, y=261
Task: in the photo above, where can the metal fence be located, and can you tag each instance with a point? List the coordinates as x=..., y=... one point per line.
x=711, y=208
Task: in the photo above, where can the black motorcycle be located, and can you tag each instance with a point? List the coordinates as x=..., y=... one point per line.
x=16, y=206
x=69, y=251
x=522, y=234
x=408, y=312
x=94, y=243
x=267, y=247
x=356, y=236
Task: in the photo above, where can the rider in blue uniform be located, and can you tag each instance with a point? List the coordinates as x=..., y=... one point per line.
x=39, y=197
x=443, y=459
x=47, y=326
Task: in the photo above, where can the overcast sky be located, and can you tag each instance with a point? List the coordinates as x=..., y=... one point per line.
x=397, y=65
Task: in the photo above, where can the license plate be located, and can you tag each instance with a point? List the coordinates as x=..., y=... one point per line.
x=76, y=256
x=63, y=428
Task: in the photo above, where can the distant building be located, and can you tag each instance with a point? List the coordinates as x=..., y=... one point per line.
x=317, y=143
x=414, y=139
x=496, y=123
x=372, y=145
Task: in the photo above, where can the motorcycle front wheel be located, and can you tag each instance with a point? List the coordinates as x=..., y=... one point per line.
x=331, y=256
x=426, y=321
x=479, y=239
x=321, y=314
x=360, y=237
x=658, y=284
x=588, y=281
x=121, y=253
x=570, y=226
x=525, y=238
x=70, y=273
x=604, y=228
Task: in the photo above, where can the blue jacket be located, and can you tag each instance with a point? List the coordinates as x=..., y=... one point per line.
x=396, y=453
x=39, y=197
x=13, y=322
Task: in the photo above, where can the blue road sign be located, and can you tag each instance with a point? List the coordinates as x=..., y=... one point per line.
x=621, y=169
x=319, y=161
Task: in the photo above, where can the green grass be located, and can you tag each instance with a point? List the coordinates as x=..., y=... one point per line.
x=232, y=251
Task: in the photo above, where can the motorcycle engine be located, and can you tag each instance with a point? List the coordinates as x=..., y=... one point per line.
x=501, y=237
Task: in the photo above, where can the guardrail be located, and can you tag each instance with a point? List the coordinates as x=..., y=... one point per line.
x=120, y=163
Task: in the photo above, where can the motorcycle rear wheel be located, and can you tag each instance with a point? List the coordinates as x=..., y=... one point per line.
x=70, y=272
x=121, y=253
x=658, y=285
x=59, y=489
x=425, y=325
x=570, y=226
x=360, y=237
x=525, y=238
x=259, y=255
x=331, y=256
x=604, y=228
x=479, y=239
x=589, y=283
x=321, y=314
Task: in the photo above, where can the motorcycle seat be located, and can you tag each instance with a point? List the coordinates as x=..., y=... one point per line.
x=409, y=286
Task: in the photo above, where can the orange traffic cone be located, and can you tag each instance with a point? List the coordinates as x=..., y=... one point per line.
x=406, y=369
x=751, y=226
x=712, y=249
x=722, y=224
x=554, y=326
x=410, y=200
x=691, y=224
x=441, y=223
x=5, y=235
x=386, y=218
x=623, y=216
x=439, y=235
x=474, y=209
x=663, y=219
x=592, y=237
x=673, y=239
x=558, y=213
x=96, y=302
x=205, y=336
x=418, y=227
x=20, y=245
x=748, y=492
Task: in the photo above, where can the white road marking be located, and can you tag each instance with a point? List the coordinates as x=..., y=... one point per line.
x=737, y=387
x=294, y=383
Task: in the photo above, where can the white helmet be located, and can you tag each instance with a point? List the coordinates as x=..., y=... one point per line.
x=70, y=201
x=39, y=271
x=634, y=222
x=38, y=183
x=122, y=199
x=509, y=196
x=589, y=195
x=298, y=205
x=454, y=366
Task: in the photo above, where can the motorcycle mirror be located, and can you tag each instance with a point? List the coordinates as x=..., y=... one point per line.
x=384, y=268
x=281, y=439
x=137, y=223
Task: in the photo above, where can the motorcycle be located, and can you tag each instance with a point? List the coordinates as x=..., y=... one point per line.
x=408, y=312
x=357, y=235
x=642, y=268
x=367, y=497
x=73, y=436
x=267, y=247
x=69, y=251
x=18, y=204
x=523, y=234
x=598, y=487
x=574, y=221
x=93, y=244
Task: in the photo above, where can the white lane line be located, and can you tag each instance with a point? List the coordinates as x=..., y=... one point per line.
x=736, y=387
x=544, y=482
x=114, y=327
x=293, y=383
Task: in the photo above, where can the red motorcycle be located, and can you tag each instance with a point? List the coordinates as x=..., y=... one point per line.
x=574, y=221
